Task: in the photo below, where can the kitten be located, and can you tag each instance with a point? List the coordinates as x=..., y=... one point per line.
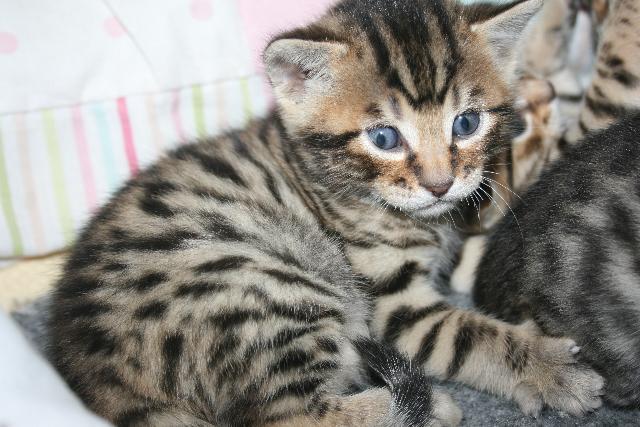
x=573, y=262
x=257, y=278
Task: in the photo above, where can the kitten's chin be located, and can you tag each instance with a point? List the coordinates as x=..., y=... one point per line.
x=436, y=210
x=431, y=210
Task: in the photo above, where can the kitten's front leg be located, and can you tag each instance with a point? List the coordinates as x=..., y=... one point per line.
x=508, y=360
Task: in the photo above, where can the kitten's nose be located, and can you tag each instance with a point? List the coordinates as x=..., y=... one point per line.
x=439, y=190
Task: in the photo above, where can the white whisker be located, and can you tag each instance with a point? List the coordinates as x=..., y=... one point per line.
x=503, y=186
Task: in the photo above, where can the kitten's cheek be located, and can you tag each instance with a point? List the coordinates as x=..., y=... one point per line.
x=463, y=187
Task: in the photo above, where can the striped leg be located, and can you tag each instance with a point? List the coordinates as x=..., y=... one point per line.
x=508, y=360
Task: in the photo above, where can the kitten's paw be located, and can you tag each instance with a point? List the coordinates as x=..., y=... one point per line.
x=556, y=379
x=528, y=399
x=445, y=411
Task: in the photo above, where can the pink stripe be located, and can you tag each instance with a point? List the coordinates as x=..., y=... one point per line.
x=127, y=136
x=177, y=120
x=85, y=160
x=30, y=189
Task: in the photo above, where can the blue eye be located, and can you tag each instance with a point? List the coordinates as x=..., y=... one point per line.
x=384, y=138
x=466, y=124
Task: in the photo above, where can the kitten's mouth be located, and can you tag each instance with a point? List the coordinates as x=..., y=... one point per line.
x=423, y=204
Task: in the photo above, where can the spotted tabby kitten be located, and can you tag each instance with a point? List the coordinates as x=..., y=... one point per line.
x=273, y=275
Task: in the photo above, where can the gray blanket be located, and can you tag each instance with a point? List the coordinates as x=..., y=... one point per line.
x=480, y=409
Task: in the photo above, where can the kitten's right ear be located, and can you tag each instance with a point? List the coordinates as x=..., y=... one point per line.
x=302, y=70
x=502, y=26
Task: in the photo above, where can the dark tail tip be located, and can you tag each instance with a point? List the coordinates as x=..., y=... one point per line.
x=409, y=386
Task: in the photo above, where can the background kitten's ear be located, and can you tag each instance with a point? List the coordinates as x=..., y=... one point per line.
x=503, y=26
x=302, y=70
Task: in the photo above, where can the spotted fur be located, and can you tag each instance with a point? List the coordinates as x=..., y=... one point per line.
x=259, y=278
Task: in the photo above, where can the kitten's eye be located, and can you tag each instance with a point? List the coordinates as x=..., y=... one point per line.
x=466, y=124
x=384, y=138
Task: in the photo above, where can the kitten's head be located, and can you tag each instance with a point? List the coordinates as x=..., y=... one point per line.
x=400, y=102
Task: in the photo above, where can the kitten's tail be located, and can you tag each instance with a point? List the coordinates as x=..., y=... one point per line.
x=413, y=400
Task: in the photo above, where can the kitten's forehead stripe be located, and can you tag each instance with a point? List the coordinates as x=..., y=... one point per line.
x=413, y=27
x=395, y=106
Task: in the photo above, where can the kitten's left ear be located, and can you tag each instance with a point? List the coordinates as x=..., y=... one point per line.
x=503, y=26
x=302, y=73
x=302, y=69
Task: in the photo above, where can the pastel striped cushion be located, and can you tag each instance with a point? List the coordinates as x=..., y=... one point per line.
x=89, y=98
x=57, y=166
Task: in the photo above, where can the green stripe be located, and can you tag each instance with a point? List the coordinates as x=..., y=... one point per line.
x=7, y=205
x=198, y=111
x=246, y=99
x=57, y=176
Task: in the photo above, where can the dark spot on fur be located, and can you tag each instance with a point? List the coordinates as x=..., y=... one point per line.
x=199, y=289
x=222, y=264
x=153, y=310
x=296, y=279
x=517, y=354
x=211, y=164
x=428, y=343
x=95, y=339
x=88, y=309
x=405, y=317
x=149, y=281
x=293, y=359
x=327, y=345
x=172, y=349
x=464, y=342
x=114, y=267
x=299, y=388
x=399, y=281
x=168, y=241
x=155, y=207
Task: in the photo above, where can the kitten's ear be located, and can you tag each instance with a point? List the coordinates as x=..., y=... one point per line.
x=502, y=26
x=302, y=70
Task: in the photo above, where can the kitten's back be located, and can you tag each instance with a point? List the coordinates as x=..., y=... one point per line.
x=571, y=259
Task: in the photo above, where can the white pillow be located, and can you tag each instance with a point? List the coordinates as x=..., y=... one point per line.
x=31, y=393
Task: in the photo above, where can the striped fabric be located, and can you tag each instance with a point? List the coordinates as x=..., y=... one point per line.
x=89, y=98
x=58, y=165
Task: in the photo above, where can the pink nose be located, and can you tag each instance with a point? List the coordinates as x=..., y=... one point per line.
x=439, y=190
